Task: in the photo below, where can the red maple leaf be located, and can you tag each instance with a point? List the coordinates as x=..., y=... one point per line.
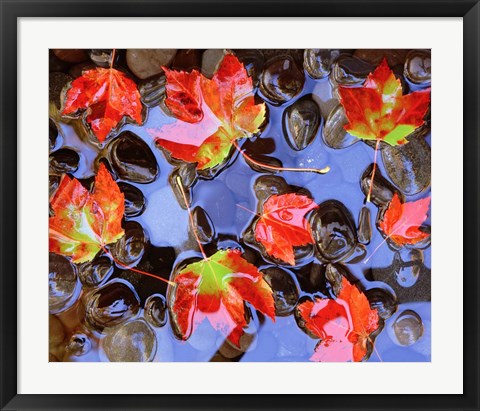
x=344, y=325
x=282, y=225
x=184, y=98
x=85, y=222
x=216, y=288
x=379, y=111
x=401, y=222
x=108, y=95
x=211, y=113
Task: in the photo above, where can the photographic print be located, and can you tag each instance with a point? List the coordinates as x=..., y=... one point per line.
x=226, y=205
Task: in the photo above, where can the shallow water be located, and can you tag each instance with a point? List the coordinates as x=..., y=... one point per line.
x=166, y=225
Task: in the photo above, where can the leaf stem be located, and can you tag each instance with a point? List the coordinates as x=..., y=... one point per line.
x=113, y=58
x=180, y=184
x=250, y=211
x=172, y=283
x=383, y=242
x=275, y=168
x=377, y=146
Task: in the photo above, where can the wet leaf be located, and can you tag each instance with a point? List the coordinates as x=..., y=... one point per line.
x=282, y=225
x=84, y=222
x=401, y=221
x=344, y=325
x=211, y=113
x=108, y=95
x=379, y=111
x=216, y=289
x=184, y=95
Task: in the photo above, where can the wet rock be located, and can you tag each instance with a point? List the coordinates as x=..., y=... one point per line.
x=52, y=134
x=295, y=54
x=132, y=342
x=79, y=344
x=281, y=79
x=52, y=358
x=112, y=304
x=162, y=258
x=334, y=231
x=383, y=300
x=256, y=150
x=187, y=173
x=203, y=224
x=334, y=134
x=418, y=67
x=56, y=333
x=145, y=63
x=54, y=63
x=349, y=70
x=312, y=278
x=408, y=265
x=318, y=62
x=152, y=90
x=101, y=57
x=268, y=185
x=96, y=271
x=301, y=122
x=253, y=61
x=56, y=84
x=130, y=249
x=285, y=289
x=63, y=284
x=71, y=55
x=156, y=310
x=382, y=190
x=248, y=342
x=134, y=200
x=53, y=183
x=364, y=226
x=187, y=60
x=375, y=56
x=132, y=160
x=334, y=274
x=211, y=60
x=63, y=161
x=408, y=165
x=408, y=327
x=78, y=69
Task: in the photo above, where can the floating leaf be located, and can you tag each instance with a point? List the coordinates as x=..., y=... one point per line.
x=211, y=113
x=108, y=94
x=344, y=325
x=401, y=222
x=184, y=98
x=83, y=222
x=216, y=288
x=282, y=225
x=379, y=111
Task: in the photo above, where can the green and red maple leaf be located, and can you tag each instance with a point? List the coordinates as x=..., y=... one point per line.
x=83, y=222
x=282, y=225
x=216, y=288
x=211, y=113
x=379, y=111
x=108, y=95
x=344, y=325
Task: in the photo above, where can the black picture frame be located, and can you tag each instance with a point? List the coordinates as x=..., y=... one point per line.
x=12, y=9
